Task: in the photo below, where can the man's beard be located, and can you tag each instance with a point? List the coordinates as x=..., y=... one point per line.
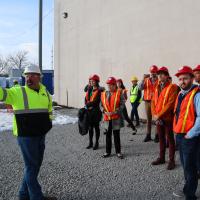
x=184, y=87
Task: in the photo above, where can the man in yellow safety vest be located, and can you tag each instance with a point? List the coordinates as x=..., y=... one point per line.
x=32, y=107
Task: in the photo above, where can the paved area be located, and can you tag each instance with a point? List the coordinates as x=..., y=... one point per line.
x=71, y=172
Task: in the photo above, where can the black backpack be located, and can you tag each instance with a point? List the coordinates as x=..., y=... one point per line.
x=83, y=121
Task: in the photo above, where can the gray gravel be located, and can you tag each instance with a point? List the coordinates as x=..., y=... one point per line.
x=71, y=172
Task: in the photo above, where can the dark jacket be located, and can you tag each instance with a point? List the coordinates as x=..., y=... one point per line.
x=93, y=108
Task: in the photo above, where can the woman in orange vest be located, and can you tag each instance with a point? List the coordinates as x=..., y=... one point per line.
x=187, y=129
x=162, y=109
x=112, y=106
x=149, y=84
x=92, y=104
x=120, y=85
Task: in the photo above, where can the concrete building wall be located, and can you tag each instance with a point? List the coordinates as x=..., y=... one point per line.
x=121, y=38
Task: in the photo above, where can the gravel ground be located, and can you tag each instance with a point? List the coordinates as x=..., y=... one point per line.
x=71, y=172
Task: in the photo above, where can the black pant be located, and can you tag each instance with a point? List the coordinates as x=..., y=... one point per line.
x=116, y=134
x=134, y=112
x=126, y=117
x=91, y=133
x=188, y=149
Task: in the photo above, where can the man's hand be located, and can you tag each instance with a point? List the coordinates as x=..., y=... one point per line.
x=156, y=117
x=108, y=113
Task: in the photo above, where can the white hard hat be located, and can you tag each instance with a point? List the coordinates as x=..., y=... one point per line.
x=32, y=69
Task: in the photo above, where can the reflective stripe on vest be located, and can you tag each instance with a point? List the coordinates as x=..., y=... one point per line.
x=104, y=104
x=5, y=94
x=166, y=94
x=134, y=94
x=31, y=111
x=116, y=100
x=187, y=115
x=160, y=100
x=92, y=98
x=150, y=88
x=26, y=104
x=25, y=98
x=187, y=111
x=108, y=108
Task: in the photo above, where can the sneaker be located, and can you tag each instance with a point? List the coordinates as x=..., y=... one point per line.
x=158, y=161
x=147, y=138
x=171, y=165
x=179, y=194
x=120, y=156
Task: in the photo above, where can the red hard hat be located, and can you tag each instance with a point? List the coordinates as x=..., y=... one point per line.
x=153, y=69
x=184, y=70
x=95, y=78
x=197, y=68
x=163, y=69
x=111, y=81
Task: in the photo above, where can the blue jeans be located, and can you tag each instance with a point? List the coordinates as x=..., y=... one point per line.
x=188, y=149
x=134, y=112
x=32, y=149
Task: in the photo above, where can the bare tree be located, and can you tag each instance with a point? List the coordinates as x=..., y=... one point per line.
x=19, y=60
x=4, y=66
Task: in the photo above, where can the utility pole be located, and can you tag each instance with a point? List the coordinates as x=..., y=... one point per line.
x=40, y=34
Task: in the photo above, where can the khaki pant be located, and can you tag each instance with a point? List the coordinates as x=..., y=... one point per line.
x=149, y=116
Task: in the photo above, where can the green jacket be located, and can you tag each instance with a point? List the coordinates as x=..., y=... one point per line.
x=32, y=110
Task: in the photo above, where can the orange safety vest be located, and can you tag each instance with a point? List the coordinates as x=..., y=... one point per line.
x=111, y=105
x=161, y=100
x=93, y=97
x=187, y=114
x=149, y=89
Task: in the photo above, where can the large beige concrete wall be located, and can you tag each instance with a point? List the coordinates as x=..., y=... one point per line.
x=121, y=38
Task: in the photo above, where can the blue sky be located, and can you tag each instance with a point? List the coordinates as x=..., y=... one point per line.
x=19, y=28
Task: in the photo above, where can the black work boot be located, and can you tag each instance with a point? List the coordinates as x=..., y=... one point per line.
x=147, y=138
x=96, y=146
x=156, y=139
x=171, y=165
x=89, y=146
x=134, y=132
x=158, y=161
